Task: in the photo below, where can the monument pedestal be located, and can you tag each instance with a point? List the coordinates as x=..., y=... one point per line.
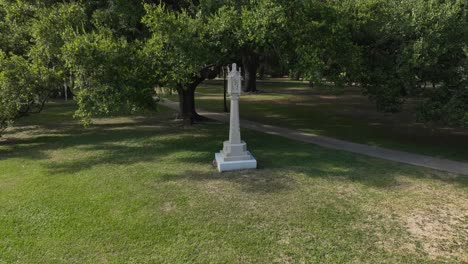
x=235, y=157
x=224, y=165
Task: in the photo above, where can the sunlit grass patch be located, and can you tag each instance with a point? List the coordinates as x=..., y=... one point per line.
x=143, y=189
x=348, y=115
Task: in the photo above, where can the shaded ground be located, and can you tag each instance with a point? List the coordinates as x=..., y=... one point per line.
x=344, y=115
x=142, y=189
x=332, y=143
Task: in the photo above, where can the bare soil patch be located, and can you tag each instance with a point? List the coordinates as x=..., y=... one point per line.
x=442, y=232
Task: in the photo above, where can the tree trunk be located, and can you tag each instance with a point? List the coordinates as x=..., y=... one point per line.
x=296, y=76
x=185, y=107
x=187, y=111
x=186, y=94
x=70, y=94
x=250, y=63
x=261, y=72
x=67, y=91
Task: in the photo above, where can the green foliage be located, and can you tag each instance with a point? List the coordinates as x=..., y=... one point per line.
x=439, y=54
x=112, y=53
x=405, y=45
x=250, y=24
x=29, y=68
x=259, y=26
x=211, y=33
x=181, y=43
x=15, y=24
x=109, y=75
x=89, y=46
x=24, y=87
x=448, y=106
x=52, y=28
x=320, y=42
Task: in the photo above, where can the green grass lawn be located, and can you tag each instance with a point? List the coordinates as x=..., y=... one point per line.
x=349, y=116
x=142, y=189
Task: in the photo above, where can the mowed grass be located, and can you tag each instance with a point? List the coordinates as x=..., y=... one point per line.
x=143, y=190
x=347, y=115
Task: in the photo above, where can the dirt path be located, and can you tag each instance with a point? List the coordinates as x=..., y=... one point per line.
x=378, y=152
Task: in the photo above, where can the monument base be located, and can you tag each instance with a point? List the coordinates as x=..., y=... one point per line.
x=224, y=165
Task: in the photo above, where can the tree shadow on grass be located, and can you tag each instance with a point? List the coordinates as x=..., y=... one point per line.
x=42, y=140
x=124, y=143
x=250, y=181
x=278, y=159
x=315, y=161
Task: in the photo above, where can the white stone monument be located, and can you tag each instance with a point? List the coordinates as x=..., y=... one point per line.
x=234, y=155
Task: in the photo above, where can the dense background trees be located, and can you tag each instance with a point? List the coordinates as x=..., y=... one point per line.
x=111, y=54
x=411, y=48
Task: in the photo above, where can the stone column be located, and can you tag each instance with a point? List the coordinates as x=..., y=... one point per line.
x=234, y=155
x=234, y=129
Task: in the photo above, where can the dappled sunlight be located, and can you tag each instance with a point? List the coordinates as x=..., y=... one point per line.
x=275, y=116
x=121, y=151
x=249, y=131
x=347, y=116
x=153, y=172
x=431, y=213
x=260, y=181
x=310, y=104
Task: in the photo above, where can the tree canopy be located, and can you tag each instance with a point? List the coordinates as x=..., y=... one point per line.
x=111, y=54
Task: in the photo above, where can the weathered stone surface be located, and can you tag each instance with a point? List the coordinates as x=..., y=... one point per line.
x=234, y=155
x=224, y=165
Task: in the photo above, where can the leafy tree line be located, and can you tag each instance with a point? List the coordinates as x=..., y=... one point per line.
x=112, y=53
x=413, y=48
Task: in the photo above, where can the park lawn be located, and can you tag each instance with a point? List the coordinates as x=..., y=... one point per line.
x=142, y=189
x=348, y=116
